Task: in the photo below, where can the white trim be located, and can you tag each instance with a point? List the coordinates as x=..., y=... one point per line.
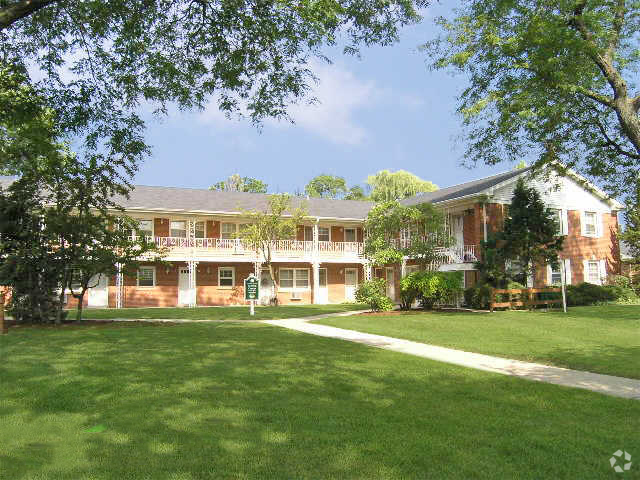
x=583, y=224
x=295, y=287
x=328, y=228
x=602, y=268
x=153, y=224
x=585, y=271
x=146, y=267
x=567, y=271
x=233, y=277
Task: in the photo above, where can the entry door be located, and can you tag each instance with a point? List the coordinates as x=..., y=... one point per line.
x=322, y=291
x=391, y=287
x=350, y=283
x=99, y=295
x=266, y=287
x=184, y=293
x=458, y=229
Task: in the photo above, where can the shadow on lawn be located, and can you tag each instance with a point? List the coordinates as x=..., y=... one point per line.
x=620, y=361
x=257, y=401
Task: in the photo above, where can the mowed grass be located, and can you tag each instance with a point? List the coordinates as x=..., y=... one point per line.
x=603, y=339
x=232, y=400
x=215, y=313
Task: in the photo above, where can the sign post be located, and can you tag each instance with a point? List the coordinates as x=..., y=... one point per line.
x=252, y=291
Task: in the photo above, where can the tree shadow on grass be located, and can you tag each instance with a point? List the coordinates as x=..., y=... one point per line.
x=255, y=401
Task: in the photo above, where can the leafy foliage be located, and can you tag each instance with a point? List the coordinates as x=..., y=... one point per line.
x=631, y=234
x=264, y=228
x=430, y=288
x=326, y=186
x=589, y=294
x=236, y=183
x=371, y=292
x=387, y=186
x=552, y=77
x=356, y=193
x=421, y=226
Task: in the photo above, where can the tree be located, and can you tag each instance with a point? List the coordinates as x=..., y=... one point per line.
x=326, y=186
x=236, y=183
x=356, y=193
x=91, y=64
x=264, y=228
x=530, y=234
x=548, y=73
x=631, y=234
x=395, y=231
x=389, y=186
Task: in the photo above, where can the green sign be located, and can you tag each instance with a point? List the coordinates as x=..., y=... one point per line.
x=251, y=288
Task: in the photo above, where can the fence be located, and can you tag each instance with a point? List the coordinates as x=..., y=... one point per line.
x=525, y=297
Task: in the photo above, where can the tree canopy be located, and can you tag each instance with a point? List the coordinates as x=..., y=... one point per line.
x=87, y=70
x=631, y=234
x=236, y=183
x=326, y=186
x=388, y=186
x=547, y=76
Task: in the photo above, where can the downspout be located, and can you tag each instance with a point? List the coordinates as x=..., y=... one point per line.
x=484, y=219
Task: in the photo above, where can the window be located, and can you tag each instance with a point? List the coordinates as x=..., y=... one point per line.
x=200, y=229
x=226, y=277
x=76, y=279
x=590, y=224
x=178, y=229
x=294, y=278
x=228, y=231
x=147, y=277
x=308, y=234
x=560, y=218
x=409, y=269
x=350, y=235
x=592, y=273
x=323, y=234
x=555, y=276
x=322, y=277
x=145, y=228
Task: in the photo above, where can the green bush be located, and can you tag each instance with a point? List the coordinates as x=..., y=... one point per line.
x=371, y=293
x=622, y=287
x=478, y=296
x=590, y=294
x=429, y=287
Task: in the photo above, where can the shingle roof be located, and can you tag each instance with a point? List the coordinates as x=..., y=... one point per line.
x=201, y=200
x=464, y=189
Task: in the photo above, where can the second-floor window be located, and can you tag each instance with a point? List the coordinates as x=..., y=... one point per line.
x=228, y=231
x=200, y=229
x=590, y=227
x=145, y=228
x=560, y=219
x=323, y=234
x=178, y=228
x=308, y=234
x=350, y=235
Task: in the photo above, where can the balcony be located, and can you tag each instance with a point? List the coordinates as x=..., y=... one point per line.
x=448, y=255
x=281, y=250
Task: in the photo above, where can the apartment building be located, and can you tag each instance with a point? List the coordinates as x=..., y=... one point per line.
x=206, y=264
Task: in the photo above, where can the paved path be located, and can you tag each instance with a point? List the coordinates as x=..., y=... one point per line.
x=607, y=384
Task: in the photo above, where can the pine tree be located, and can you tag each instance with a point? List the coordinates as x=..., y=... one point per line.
x=530, y=233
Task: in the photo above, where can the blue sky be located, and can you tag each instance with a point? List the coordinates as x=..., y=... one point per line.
x=386, y=110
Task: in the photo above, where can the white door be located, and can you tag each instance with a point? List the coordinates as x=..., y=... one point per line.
x=458, y=229
x=99, y=295
x=391, y=287
x=350, y=283
x=266, y=287
x=184, y=293
x=322, y=290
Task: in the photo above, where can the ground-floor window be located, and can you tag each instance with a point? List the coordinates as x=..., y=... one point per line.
x=226, y=276
x=592, y=271
x=555, y=275
x=294, y=278
x=147, y=277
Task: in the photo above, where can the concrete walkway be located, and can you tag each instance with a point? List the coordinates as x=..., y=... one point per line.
x=607, y=384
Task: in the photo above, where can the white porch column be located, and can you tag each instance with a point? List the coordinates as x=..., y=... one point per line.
x=119, y=286
x=257, y=268
x=368, y=271
x=316, y=281
x=403, y=268
x=193, y=291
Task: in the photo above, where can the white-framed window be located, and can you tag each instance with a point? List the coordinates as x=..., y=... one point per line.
x=562, y=220
x=350, y=235
x=308, y=234
x=322, y=277
x=324, y=234
x=178, y=228
x=76, y=279
x=294, y=278
x=228, y=231
x=591, y=224
x=554, y=275
x=147, y=277
x=226, y=277
x=595, y=271
x=145, y=228
x=200, y=230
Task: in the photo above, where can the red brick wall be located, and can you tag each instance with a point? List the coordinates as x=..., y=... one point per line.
x=469, y=228
x=213, y=229
x=300, y=233
x=161, y=227
x=337, y=234
x=360, y=234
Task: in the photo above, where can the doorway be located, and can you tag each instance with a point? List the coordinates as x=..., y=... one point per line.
x=350, y=283
x=185, y=294
x=322, y=290
x=99, y=295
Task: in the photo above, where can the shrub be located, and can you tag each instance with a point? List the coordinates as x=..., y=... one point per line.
x=478, y=296
x=371, y=293
x=590, y=294
x=622, y=288
x=429, y=287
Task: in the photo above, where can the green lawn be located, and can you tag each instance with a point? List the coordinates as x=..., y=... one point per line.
x=216, y=313
x=232, y=400
x=602, y=339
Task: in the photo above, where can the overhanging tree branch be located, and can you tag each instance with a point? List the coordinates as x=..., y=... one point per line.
x=17, y=11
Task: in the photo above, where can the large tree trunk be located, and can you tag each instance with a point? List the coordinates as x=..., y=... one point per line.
x=19, y=10
x=629, y=120
x=80, y=298
x=276, y=286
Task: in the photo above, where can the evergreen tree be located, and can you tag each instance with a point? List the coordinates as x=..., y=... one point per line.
x=530, y=233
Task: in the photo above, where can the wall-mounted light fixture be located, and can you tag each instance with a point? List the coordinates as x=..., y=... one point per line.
x=208, y=270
